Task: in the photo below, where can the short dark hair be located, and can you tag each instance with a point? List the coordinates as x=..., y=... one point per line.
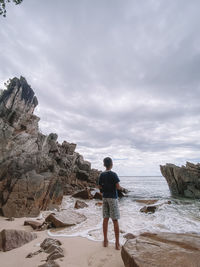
x=107, y=162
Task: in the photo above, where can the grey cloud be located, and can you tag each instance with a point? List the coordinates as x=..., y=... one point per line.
x=116, y=77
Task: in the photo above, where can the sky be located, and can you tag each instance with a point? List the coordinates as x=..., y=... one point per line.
x=118, y=78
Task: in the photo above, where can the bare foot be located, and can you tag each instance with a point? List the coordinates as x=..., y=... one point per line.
x=105, y=243
x=117, y=246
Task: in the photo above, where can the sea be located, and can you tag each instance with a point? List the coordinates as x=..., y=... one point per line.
x=181, y=216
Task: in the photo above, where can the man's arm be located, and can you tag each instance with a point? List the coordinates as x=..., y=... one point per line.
x=119, y=187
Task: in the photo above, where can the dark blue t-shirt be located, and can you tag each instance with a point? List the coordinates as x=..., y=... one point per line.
x=108, y=181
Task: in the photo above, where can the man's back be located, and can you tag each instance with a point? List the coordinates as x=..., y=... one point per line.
x=108, y=181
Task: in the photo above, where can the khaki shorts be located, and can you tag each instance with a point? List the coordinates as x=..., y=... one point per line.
x=110, y=208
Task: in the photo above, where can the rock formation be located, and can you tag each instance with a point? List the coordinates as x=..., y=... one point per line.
x=162, y=249
x=35, y=170
x=183, y=181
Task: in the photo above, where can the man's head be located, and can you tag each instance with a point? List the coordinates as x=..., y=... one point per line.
x=108, y=163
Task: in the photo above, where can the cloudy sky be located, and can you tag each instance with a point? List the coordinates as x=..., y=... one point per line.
x=119, y=78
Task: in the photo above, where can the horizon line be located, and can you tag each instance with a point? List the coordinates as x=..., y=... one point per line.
x=141, y=175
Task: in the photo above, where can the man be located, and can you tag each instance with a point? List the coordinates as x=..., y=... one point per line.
x=108, y=185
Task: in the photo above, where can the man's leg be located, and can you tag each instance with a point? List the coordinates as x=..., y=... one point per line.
x=116, y=229
x=105, y=231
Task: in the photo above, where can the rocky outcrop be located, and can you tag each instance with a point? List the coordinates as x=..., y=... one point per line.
x=65, y=218
x=35, y=170
x=162, y=249
x=183, y=181
x=10, y=239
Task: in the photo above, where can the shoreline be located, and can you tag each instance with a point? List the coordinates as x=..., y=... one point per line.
x=78, y=251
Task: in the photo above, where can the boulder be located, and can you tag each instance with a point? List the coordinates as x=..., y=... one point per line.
x=65, y=218
x=183, y=181
x=84, y=194
x=11, y=239
x=162, y=249
x=35, y=170
x=98, y=195
x=80, y=205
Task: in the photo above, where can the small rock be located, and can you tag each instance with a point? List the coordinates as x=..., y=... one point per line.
x=80, y=205
x=98, y=196
x=34, y=224
x=148, y=209
x=50, y=263
x=30, y=255
x=129, y=236
x=84, y=194
x=10, y=219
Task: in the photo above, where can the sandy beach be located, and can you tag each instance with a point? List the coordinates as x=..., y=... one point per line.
x=78, y=251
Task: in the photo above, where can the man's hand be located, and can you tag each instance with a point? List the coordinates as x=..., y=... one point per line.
x=122, y=189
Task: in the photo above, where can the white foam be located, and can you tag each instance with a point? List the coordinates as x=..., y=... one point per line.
x=179, y=217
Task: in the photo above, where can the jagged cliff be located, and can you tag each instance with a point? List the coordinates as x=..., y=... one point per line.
x=35, y=170
x=183, y=181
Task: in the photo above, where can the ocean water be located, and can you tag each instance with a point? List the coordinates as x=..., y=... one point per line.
x=181, y=216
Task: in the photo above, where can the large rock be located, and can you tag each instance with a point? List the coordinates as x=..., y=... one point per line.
x=183, y=181
x=65, y=218
x=162, y=249
x=35, y=170
x=11, y=239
